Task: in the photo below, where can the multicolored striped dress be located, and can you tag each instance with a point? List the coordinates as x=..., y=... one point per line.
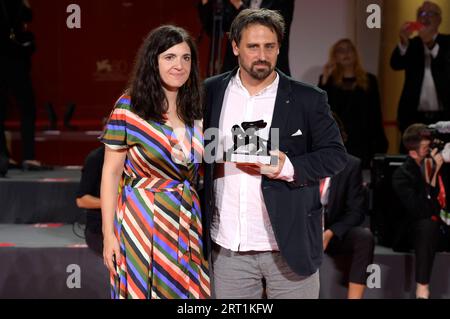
x=158, y=218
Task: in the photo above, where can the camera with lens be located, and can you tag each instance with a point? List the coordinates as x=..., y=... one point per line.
x=437, y=141
x=439, y=135
x=439, y=144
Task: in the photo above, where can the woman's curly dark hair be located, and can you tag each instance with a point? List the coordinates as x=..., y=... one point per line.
x=145, y=88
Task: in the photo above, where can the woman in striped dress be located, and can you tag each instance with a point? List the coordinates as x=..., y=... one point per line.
x=152, y=227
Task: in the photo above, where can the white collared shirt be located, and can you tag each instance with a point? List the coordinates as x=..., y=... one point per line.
x=429, y=101
x=241, y=221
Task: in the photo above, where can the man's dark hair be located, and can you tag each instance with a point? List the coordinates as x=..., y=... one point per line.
x=269, y=18
x=413, y=135
x=145, y=88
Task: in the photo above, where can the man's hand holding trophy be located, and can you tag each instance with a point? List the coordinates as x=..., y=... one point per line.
x=254, y=152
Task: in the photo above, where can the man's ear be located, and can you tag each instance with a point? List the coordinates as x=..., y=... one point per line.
x=235, y=48
x=413, y=154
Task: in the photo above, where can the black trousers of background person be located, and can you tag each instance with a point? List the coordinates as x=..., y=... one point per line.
x=15, y=81
x=425, y=235
x=359, y=244
x=93, y=232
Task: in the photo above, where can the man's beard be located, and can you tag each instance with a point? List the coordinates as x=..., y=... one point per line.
x=259, y=74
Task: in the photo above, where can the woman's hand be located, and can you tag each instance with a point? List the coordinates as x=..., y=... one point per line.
x=405, y=33
x=327, y=235
x=111, y=253
x=236, y=3
x=327, y=70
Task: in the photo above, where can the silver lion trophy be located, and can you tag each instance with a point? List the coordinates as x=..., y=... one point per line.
x=248, y=147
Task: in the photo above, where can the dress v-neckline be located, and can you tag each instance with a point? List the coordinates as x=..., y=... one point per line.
x=175, y=143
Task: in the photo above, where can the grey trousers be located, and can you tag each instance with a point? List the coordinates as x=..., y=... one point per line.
x=241, y=275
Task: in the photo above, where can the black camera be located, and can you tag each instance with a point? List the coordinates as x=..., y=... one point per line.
x=439, y=135
x=438, y=140
x=437, y=143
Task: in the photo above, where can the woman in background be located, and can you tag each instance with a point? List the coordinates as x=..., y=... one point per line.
x=353, y=95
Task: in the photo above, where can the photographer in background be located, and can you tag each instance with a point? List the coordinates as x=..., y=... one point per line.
x=419, y=186
x=354, y=96
x=425, y=60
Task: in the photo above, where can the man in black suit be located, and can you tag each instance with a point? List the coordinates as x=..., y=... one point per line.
x=265, y=221
x=231, y=8
x=426, y=62
x=345, y=205
x=421, y=192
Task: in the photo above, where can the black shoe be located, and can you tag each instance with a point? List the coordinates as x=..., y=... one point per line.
x=12, y=165
x=3, y=165
x=34, y=167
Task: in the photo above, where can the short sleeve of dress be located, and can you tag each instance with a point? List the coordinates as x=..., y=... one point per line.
x=114, y=135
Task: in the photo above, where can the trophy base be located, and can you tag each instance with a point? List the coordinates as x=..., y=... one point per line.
x=247, y=158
